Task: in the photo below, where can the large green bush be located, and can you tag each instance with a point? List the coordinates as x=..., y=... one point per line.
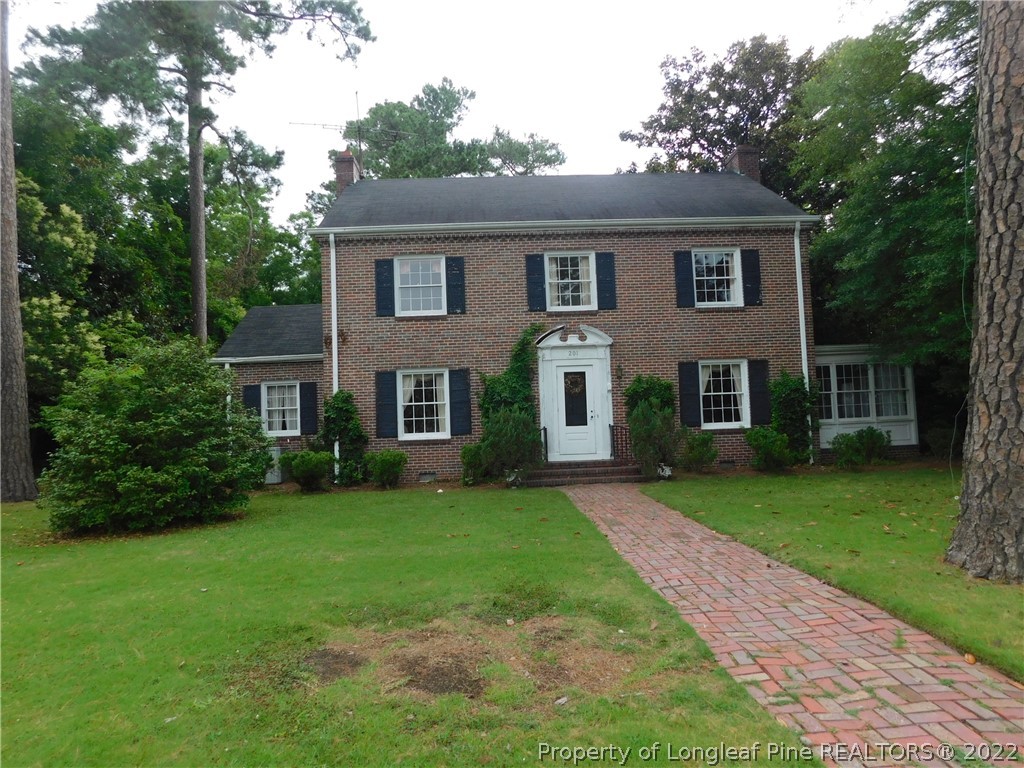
x=655, y=436
x=794, y=413
x=771, y=449
x=511, y=442
x=308, y=468
x=386, y=467
x=148, y=441
x=865, y=446
x=698, y=450
x=342, y=426
x=658, y=391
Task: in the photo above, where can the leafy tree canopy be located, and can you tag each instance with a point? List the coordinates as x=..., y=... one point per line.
x=711, y=106
x=416, y=140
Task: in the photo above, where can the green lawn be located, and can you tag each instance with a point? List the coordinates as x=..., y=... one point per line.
x=358, y=628
x=878, y=534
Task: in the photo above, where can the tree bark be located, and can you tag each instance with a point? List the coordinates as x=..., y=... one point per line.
x=196, y=199
x=17, y=481
x=989, y=538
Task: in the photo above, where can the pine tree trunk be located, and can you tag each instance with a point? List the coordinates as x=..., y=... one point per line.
x=989, y=538
x=16, y=476
x=197, y=200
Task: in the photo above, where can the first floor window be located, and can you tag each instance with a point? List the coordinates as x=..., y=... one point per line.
x=862, y=391
x=823, y=374
x=419, y=285
x=724, y=394
x=424, y=404
x=853, y=391
x=281, y=408
x=571, y=281
x=715, y=278
x=890, y=390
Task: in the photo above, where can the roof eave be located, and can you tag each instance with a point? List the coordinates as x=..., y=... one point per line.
x=269, y=359
x=716, y=222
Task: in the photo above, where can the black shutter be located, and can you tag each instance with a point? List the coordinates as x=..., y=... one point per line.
x=685, y=294
x=689, y=394
x=536, y=293
x=760, y=398
x=387, y=404
x=252, y=397
x=606, y=281
x=751, y=268
x=307, y=408
x=458, y=389
x=384, y=279
x=455, y=279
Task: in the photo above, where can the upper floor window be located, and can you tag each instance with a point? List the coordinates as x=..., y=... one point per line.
x=420, y=285
x=717, y=278
x=281, y=408
x=571, y=281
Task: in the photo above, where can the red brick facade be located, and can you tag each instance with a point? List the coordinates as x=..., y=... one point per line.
x=650, y=334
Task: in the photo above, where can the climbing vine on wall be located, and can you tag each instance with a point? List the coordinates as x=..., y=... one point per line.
x=514, y=387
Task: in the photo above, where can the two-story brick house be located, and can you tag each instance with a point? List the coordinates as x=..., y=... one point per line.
x=700, y=278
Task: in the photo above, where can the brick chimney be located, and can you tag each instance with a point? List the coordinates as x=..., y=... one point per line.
x=346, y=170
x=745, y=160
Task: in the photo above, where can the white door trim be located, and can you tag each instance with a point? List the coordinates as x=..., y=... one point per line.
x=589, y=351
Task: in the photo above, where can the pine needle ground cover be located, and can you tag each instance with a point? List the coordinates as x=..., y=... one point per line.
x=879, y=534
x=468, y=627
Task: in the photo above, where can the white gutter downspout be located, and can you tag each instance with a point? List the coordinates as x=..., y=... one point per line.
x=334, y=338
x=227, y=367
x=804, y=364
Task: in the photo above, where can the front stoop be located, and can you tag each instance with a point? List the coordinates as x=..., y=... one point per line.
x=584, y=472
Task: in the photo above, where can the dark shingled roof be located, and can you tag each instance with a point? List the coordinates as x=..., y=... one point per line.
x=276, y=331
x=496, y=199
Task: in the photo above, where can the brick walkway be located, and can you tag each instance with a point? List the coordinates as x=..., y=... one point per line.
x=833, y=668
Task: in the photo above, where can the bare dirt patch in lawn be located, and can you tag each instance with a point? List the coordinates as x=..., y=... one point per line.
x=448, y=657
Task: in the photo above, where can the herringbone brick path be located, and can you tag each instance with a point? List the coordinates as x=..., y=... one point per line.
x=865, y=687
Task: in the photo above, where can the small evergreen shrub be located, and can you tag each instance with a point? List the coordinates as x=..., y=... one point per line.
x=794, y=413
x=656, y=438
x=698, y=450
x=474, y=464
x=511, y=442
x=771, y=449
x=149, y=441
x=865, y=446
x=386, y=467
x=309, y=469
x=342, y=426
x=660, y=392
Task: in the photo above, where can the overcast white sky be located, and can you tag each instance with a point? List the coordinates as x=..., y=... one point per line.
x=575, y=72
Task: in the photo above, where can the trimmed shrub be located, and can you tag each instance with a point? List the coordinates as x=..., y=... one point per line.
x=660, y=392
x=771, y=449
x=865, y=446
x=150, y=441
x=474, y=464
x=511, y=442
x=794, y=413
x=308, y=468
x=341, y=425
x=698, y=450
x=386, y=467
x=656, y=438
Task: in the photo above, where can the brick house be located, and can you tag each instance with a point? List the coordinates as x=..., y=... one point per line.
x=699, y=278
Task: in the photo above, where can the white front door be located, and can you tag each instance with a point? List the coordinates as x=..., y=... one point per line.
x=575, y=395
x=577, y=413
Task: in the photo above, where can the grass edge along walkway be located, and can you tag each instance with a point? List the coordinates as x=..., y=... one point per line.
x=844, y=673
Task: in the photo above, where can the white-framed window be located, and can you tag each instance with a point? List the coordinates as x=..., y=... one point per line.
x=423, y=401
x=281, y=408
x=724, y=394
x=717, y=278
x=571, y=281
x=420, y=285
x=862, y=391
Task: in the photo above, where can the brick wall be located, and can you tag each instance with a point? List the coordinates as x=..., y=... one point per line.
x=260, y=373
x=651, y=335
